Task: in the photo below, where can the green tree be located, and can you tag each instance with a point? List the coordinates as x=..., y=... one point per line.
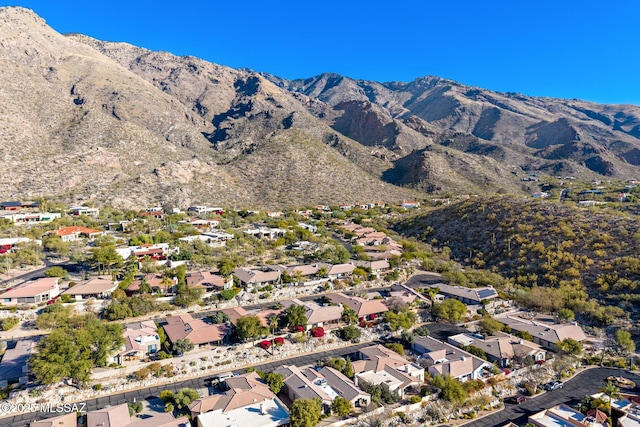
x=219, y=317
x=402, y=318
x=624, y=341
x=8, y=323
x=249, y=328
x=489, y=326
x=305, y=412
x=295, y=315
x=450, y=310
x=349, y=316
x=182, y=346
x=451, y=389
x=525, y=335
x=53, y=316
x=56, y=272
x=106, y=258
x=273, y=380
x=349, y=333
x=226, y=267
x=612, y=392
x=396, y=347
x=569, y=346
x=348, y=369
x=341, y=406
x=145, y=287
x=566, y=314
x=166, y=395
x=185, y=396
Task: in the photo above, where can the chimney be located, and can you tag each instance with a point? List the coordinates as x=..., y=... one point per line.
x=262, y=411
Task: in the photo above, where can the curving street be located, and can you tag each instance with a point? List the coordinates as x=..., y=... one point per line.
x=587, y=382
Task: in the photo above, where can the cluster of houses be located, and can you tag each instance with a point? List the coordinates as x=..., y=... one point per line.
x=377, y=245
x=113, y=416
x=625, y=412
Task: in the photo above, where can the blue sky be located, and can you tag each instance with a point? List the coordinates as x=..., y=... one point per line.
x=563, y=48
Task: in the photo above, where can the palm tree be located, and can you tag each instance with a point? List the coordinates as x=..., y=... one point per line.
x=613, y=392
x=273, y=324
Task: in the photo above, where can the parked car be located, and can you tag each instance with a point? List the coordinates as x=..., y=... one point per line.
x=553, y=385
x=516, y=400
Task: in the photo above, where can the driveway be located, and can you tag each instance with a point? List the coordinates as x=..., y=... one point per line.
x=585, y=383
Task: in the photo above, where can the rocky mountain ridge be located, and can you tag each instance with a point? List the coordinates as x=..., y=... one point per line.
x=84, y=119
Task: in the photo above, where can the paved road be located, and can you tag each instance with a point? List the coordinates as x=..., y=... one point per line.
x=585, y=383
x=148, y=393
x=423, y=279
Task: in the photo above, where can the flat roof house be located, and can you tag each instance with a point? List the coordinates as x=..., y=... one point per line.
x=195, y=330
x=445, y=359
x=32, y=292
x=564, y=415
x=97, y=287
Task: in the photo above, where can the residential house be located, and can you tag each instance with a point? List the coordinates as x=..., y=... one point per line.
x=32, y=292
x=407, y=294
x=365, y=309
x=564, y=415
x=410, y=204
x=67, y=420
x=201, y=224
x=266, y=233
x=213, y=239
x=379, y=365
x=375, y=267
x=501, y=348
x=118, y=416
x=152, y=214
x=312, y=384
x=250, y=278
x=196, y=331
x=205, y=209
x=158, y=283
x=157, y=251
x=247, y=402
x=8, y=245
x=21, y=218
x=10, y=206
x=208, y=281
x=13, y=366
x=141, y=340
x=97, y=287
x=338, y=271
x=326, y=316
x=345, y=387
x=70, y=234
x=84, y=210
x=445, y=359
x=469, y=296
x=548, y=335
x=264, y=315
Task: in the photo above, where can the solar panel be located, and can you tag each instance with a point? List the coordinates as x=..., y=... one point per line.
x=485, y=293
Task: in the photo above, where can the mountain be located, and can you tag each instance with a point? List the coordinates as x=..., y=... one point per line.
x=89, y=120
x=554, y=136
x=83, y=119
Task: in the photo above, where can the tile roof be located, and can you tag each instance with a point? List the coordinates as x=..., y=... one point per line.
x=32, y=288
x=66, y=420
x=361, y=306
x=96, y=285
x=448, y=359
x=552, y=333
x=67, y=231
x=115, y=416
x=243, y=390
x=195, y=330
